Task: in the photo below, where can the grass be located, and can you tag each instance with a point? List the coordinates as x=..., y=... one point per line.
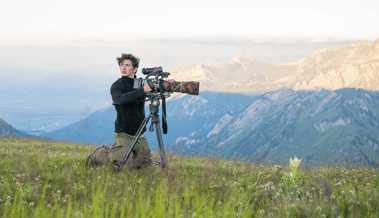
x=49, y=179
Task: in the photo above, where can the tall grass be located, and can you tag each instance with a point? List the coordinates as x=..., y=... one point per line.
x=48, y=179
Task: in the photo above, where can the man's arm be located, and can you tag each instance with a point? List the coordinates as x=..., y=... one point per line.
x=124, y=98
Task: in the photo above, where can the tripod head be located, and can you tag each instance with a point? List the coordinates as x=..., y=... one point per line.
x=154, y=99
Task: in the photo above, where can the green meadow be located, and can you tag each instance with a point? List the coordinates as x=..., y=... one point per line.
x=45, y=179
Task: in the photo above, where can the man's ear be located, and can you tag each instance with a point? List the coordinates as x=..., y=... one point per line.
x=135, y=70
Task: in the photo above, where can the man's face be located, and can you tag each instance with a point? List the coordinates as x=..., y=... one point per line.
x=127, y=69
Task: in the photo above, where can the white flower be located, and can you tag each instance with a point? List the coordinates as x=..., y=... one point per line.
x=294, y=163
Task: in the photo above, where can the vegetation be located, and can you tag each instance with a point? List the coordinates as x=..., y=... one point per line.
x=49, y=179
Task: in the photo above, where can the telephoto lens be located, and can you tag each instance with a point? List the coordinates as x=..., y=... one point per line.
x=187, y=87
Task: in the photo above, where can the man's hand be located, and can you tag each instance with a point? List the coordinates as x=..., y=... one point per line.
x=146, y=88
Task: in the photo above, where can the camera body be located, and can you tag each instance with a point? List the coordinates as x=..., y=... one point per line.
x=153, y=71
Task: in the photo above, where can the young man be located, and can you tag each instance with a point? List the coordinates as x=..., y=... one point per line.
x=129, y=102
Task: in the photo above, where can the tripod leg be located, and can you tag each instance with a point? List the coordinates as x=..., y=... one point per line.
x=162, y=152
x=119, y=164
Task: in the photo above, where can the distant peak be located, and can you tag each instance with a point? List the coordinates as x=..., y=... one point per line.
x=241, y=60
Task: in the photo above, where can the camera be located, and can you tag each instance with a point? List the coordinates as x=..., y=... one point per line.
x=155, y=78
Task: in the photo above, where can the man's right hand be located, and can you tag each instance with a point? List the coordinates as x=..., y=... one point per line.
x=146, y=88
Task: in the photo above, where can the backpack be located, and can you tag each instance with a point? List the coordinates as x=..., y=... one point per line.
x=98, y=157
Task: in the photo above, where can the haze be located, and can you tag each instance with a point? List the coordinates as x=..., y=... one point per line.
x=49, y=20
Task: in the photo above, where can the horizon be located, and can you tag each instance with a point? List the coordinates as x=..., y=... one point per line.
x=115, y=42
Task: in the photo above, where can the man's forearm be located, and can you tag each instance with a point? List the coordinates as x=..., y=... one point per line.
x=124, y=98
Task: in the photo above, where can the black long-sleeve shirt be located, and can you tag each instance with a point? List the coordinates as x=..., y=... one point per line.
x=130, y=105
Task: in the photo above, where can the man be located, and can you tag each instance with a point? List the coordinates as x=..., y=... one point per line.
x=129, y=102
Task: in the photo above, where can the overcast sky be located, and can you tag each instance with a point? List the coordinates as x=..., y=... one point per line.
x=28, y=20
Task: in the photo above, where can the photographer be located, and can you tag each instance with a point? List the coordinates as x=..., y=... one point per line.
x=129, y=94
x=129, y=102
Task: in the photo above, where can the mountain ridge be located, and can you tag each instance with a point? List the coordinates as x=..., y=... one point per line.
x=6, y=130
x=323, y=127
x=354, y=66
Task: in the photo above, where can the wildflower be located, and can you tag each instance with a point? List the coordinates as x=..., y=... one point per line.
x=294, y=163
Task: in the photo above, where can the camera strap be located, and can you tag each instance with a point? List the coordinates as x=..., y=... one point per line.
x=137, y=83
x=164, y=119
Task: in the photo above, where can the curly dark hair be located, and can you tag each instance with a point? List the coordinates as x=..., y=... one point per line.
x=132, y=58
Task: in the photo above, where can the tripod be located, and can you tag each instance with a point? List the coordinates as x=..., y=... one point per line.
x=154, y=99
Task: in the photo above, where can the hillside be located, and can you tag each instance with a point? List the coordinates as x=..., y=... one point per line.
x=322, y=127
x=49, y=179
x=6, y=130
x=97, y=128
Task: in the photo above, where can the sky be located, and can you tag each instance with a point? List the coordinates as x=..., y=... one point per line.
x=44, y=20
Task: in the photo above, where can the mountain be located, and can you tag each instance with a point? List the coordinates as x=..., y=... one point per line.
x=322, y=127
x=194, y=115
x=97, y=128
x=7, y=130
x=183, y=116
x=354, y=66
x=239, y=75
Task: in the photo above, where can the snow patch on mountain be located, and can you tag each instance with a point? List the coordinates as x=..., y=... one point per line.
x=186, y=141
x=324, y=102
x=325, y=125
x=192, y=105
x=225, y=120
